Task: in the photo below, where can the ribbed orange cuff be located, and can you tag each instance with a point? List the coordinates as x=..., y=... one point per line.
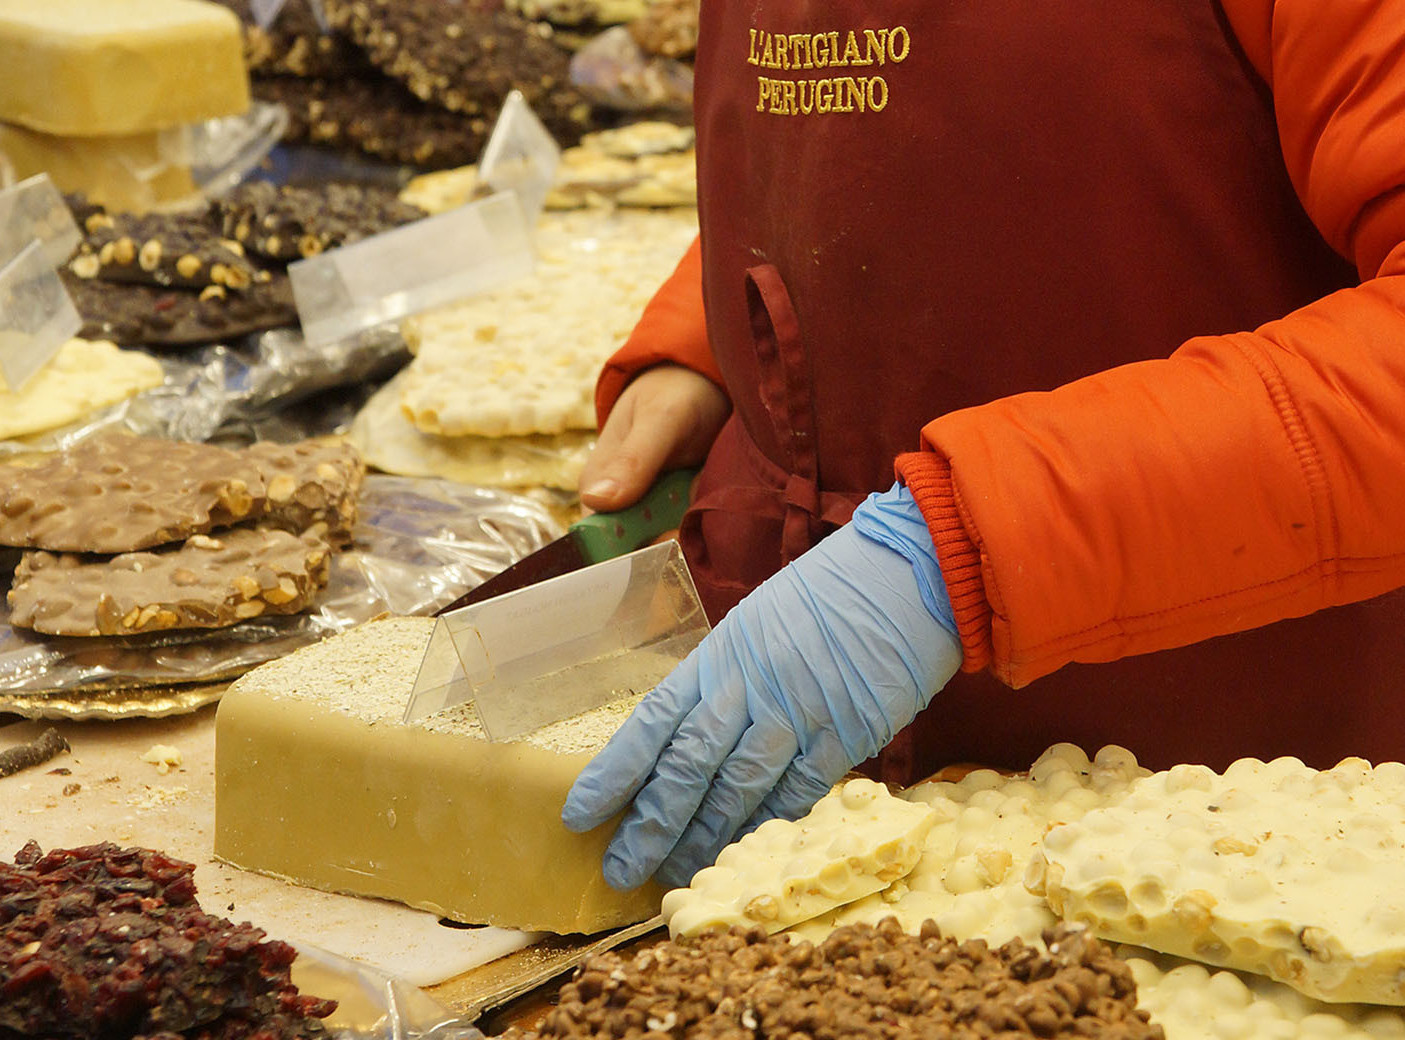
x=928, y=476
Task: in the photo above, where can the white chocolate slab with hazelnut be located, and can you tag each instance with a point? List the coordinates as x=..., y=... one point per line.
x=970, y=879
x=856, y=840
x=1273, y=868
x=1192, y=1002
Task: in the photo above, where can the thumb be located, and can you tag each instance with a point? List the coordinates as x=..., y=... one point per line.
x=617, y=475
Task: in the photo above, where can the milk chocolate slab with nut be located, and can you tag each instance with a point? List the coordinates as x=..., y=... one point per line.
x=289, y=223
x=466, y=58
x=116, y=493
x=163, y=249
x=209, y=581
x=130, y=313
x=311, y=486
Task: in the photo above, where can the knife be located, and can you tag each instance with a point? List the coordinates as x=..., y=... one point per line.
x=600, y=536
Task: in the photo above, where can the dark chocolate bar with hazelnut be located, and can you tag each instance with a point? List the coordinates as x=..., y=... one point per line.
x=286, y=222
x=376, y=116
x=132, y=314
x=467, y=57
x=163, y=249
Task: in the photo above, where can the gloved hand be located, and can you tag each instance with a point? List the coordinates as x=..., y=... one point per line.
x=812, y=673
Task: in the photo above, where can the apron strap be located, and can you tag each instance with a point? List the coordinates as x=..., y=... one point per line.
x=788, y=394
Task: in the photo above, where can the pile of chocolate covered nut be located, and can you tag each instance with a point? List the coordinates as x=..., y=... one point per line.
x=863, y=983
x=126, y=535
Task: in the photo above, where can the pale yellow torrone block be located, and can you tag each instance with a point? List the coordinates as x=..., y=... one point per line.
x=129, y=172
x=317, y=781
x=94, y=67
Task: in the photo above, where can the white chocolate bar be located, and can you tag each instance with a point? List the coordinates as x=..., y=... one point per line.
x=1273, y=868
x=856, y=840
x=970, y=879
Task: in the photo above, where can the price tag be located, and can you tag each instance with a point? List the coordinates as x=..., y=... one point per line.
x=36, y=316
x=411, y=268
x=34, y=209
x=521, y=156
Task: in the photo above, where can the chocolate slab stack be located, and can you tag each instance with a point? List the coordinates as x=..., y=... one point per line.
x=125, y=535
x=184, y=279
x=417, y=83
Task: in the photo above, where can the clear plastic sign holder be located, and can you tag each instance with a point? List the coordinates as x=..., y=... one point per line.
x=521, y=156
x=437, y=260
x=563, y=646
x=36, y=315
x=34, y=209
x=266, y=12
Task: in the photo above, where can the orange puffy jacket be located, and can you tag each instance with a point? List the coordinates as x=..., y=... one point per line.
x=1266, y=468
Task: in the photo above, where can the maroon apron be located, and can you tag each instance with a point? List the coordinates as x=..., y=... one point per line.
x=909, y=208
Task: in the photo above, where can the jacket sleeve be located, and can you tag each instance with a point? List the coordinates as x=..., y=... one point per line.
x=1245, y=479
x=671, y=329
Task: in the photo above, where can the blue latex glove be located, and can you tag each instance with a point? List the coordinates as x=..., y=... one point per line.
x=811, y=674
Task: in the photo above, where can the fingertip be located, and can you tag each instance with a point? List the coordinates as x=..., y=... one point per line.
x=620, y=874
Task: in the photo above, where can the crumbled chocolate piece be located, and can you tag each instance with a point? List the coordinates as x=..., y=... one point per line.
x=290, y=223
x=38, y=751
x=861, y=983
x=107, y=942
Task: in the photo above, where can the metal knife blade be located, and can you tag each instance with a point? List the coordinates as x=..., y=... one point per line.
x=592, y=539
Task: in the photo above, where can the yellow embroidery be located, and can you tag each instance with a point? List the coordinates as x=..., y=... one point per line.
x=805, y=96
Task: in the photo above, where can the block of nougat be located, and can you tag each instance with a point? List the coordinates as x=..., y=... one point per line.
x=82, y=377
x=1273, y=868
x=970, y=879
x=133, y=172
x=391, y=443
x=205, y=582
x=430, y=814
x=95, y=67
x=1191, y=1002
x=310, y=486
x=856, y=840
x=113, y=493
x=523, y=358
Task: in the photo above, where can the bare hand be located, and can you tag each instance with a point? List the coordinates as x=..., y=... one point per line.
x=667, y=417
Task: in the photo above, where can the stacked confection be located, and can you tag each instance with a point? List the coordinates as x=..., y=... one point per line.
x=125, y=535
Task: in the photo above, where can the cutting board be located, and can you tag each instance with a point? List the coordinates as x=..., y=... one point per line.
x=104, y=791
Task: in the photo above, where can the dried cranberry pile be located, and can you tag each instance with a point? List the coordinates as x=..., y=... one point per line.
x=108, y=942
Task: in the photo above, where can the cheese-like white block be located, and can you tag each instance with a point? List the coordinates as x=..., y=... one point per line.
x=318, y=781
x=1190, y=1002
x=856, y=840
x=1273, y=868
x=93, y=67
x=970, y=879
x=129, y=172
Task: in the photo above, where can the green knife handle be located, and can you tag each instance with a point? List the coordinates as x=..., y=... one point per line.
x=603, y=536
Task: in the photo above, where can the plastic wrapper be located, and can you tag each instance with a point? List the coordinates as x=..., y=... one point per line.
x=232, y=389
x=419, y=545
x=373, y=1005
x=613, y=71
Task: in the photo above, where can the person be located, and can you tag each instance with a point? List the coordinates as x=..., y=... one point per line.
x=1116, y=293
